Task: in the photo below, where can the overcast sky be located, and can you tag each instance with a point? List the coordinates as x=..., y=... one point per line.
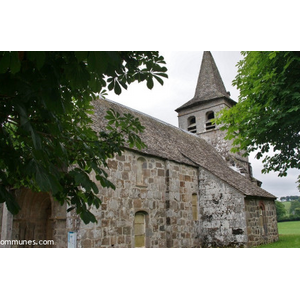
x=183, y=70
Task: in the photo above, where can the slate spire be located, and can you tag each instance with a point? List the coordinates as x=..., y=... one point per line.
x=209, y=85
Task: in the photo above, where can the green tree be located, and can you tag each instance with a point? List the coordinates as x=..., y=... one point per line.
x=46, y=140
x=297, y=212
x=280, y=210
x=267, y=113
x=295, y=205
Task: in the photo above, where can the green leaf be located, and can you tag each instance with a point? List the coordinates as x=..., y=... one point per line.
x=15, y=63
x=94, y=187
x=150, y=83
x=4, y=62
x=162, y=75
x=70, y=208
x=272, y=55
x=87, y=217
x=38, y=57
x=82, y=179
x=35, y=138
x=98, y=61
x=81, y=55
x=11, y=203
x=96, y=84
x=159, y=80
x=295, y=108
x=77, y=74
x=111, y=86
x=42, y=179
x=117, y=88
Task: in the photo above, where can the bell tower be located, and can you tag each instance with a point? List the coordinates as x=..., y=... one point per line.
x=196, y=115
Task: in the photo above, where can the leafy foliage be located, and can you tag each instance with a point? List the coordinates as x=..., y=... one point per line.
x=292, y=210
x=267, y=114
x=295, y=207
x=46, y=140
x=280, y=210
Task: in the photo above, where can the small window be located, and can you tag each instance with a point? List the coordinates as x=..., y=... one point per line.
x=140, y=230
x=263, y=219
x=195, y=207
x=209, y=117
x=192, y=127
x=261, y=208
x=141, y=171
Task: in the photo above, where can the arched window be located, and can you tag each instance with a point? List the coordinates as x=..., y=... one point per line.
x=261, y=208
x=140, y=229
x=141, y=168
x=195, y=207
x=262, y=218
x=209, y=117
x=192, y=127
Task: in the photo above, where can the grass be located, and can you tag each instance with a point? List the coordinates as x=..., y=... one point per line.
x=289, y=228
x=289, y=236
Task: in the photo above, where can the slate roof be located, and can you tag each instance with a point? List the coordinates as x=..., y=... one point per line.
x=169, y=142
x=210, y=85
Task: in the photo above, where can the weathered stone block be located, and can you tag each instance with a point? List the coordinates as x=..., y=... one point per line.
x=161, y=172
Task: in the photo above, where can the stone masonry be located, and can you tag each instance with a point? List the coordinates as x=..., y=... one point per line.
x=164, y=195
x=222, y=213
x=261, y=222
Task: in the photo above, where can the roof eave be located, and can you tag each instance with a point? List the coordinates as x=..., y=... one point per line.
x=198, y=102
x=250, y=197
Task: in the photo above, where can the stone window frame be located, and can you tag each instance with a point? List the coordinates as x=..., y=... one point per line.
x=262, y=218
x=142, y=166
x=145, y=215
x=262, y=208
x=210, y=115
x=192, y=124
x=195, y=207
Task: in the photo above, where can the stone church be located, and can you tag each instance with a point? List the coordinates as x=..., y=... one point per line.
x=185, y=189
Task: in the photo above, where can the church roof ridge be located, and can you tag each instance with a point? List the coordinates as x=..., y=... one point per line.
x=209, y=84
x=149, y=116
x=142, y=113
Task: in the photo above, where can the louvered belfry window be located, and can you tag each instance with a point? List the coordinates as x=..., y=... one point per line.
x=192, y=127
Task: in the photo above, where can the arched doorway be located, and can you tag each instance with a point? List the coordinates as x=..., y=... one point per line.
x=32, y=226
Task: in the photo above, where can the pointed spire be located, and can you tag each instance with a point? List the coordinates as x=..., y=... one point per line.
x=209, y=85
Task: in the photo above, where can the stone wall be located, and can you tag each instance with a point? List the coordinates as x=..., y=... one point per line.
x=181, y=185
x=156, y=203
x=161, y=190
x=223, y=222
x=261, y=221
x=236, y=161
